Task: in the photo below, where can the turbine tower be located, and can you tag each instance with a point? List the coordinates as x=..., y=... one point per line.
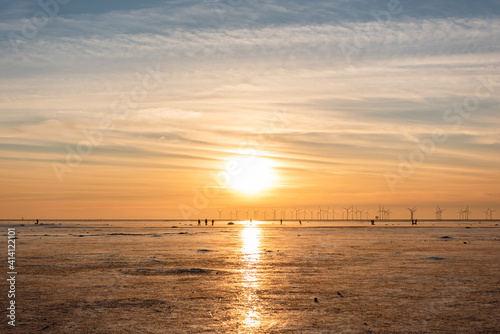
x=347, y=213
x=412, y=210
x=380, y=212
x=467, y=213
x=220, y=214
x=439, y=213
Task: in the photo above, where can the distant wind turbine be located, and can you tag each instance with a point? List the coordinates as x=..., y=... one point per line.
x=347, y=210
x=439, y=213
x=412, y=210
x=487, y=213
x=380, y=212
x=466, y=212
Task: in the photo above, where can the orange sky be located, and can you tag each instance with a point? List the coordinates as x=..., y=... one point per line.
x=129, y=120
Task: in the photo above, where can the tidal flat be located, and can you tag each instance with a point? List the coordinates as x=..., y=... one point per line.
x=169, y=277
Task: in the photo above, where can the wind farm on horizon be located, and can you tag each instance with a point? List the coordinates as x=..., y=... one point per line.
x=350, y=213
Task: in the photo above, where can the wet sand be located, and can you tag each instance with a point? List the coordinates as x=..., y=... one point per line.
x=152, y=278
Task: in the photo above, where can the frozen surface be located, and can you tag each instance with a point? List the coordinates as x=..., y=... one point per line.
x=125, y=277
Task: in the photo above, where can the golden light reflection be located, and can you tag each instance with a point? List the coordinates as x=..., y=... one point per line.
x=251, y=256
x=251, y=243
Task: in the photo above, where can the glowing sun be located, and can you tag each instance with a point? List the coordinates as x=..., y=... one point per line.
x=251, y=174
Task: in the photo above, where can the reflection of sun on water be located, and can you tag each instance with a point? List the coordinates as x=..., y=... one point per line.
x=251, y=244
x=251, y=256
x=252, y=319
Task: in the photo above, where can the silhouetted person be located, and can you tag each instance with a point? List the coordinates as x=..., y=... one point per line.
x=212, y=222
x=300, y=222
x=199, y=222
x=206, y=221
x=36, y=221
x=281, y=221
x=373, y=222
x=415, y=222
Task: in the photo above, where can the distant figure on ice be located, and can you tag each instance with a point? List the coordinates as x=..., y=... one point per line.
x=300, y=222
x=212, y=222
x=206, y=221
x=199, y=222
x=281, y=221
x=373, y=222
x=36, y=221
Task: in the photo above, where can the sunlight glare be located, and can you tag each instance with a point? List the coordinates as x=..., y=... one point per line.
x=252, y=174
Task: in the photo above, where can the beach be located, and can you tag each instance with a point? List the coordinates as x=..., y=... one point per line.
x=176, y=277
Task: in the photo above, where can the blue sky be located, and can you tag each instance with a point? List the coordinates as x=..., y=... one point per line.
x=359, y=95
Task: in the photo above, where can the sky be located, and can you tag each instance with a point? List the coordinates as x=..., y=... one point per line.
x=130, y=110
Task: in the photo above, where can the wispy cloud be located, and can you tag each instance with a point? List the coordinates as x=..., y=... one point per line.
x=228, y=75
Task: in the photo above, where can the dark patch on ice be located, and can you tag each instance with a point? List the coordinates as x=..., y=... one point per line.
x=126, y=264
x=174, y=226
x=124, y=234
x=435, y=258
x=130, y=303
x=445, y=237
x=144, y=271
x=205, y=250
x=182, y=233
x=156, y=236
